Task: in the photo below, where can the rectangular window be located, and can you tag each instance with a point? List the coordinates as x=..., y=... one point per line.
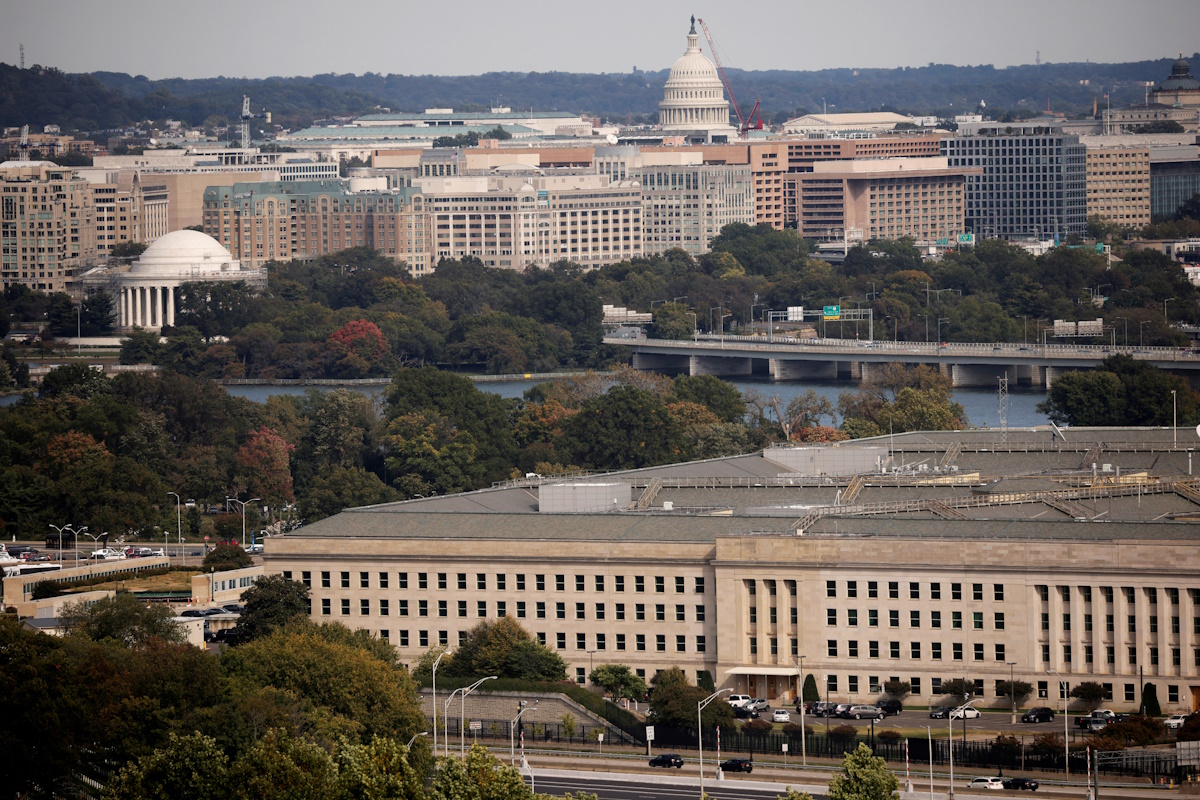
x=620, y=641
x=998, y=592
x=345, y=580
x=462, y=581
x=914, y=590
x=893, y=618
x=935, y=651
x=481, y=581
x=660, y=612
x=957, y=651
x=956, y=620
x=873, y=617
x=501, y=608
x=345, y=606
x=481, y=608
x=521, y=582
x=579, y=583
x=872, y=589
x=977, y=620
x=383, y=608
x=660, y=642
x=402, y=607
x=873, y=649
x=325, y=606
x=560, y=610
x=442, y=608
x=681, y=643
x=935, y=591
x=852, y=684
x=639, y=583
x=520, y=609
x=383, y=580
x=852, y=618
x=599, y=610
x=324, y=580
x=956, y=591
x=831, y=648
x=978, y=651
x=851, y=588
x=423, y=583
x=831, y=616
x=700, y=644
x=977, y=591
x=599, y=583
x=619, y=583
x=915, y=650
x=700, y=614
x=680, y=617
x=894, y=649
x=894, y=590
x=831, y=588
x=540, y=582
x=660, y=584
x=540, y=608
x=998, y=620
x=579, y=611
x=560, y=640
x=640, y=641
x=699, y=585
x=423, y=608
x=501, y=582
x=832, y=682
x=423, y=638
x=914, y=619
x=852, y=648
x=560, y=583
x=401, y=580
x=639, y=613
x=441, y=579
x=679, y=582
x=306, y=579
x=935, y=619
x=581, y=641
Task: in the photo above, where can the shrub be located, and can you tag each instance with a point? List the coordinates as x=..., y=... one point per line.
x=1090, y=692
x=890, y=736
x=1047, y=744
x=897, y=689
x=794, y=730
x=1150, y=706
x=844, y=732
x=757, y=727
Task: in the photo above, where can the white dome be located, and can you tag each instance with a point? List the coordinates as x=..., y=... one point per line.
x=694, y=96
x=184, y=253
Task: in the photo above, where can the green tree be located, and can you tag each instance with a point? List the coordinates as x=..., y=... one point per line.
x=897, y=689
x=382, y=769
x=504, y=648
x=127, y=251
x=718, y=396
x=140, y=347
x=811, y=693
x=282, y=767
x=1087, y=399
x=672, y=321
x=1090, y=692
x=675, y=700
x=122, y=618
x=270, y=604
x=618, y=680
x=77, y=380
x=624, y=429
x=188, y=768
x=1150, y=706
x=225, y=557
x=335, y=488
x=958, y=688
x=864, y=777
x=1019, y=689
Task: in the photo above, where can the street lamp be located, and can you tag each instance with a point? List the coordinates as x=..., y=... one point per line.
x=179, y=528
x=700, y=706
x=414, y=738
x=1012, y=694
x=1174, y=421
x=512, y=728
x=1126, y=329
x=243, y=502
x=800, y=705
x=462, y=712
x=1141, y=327
x=1062, y=689
x=940, y=321
x=591, y=663
x=60, y=540
x=950, y=725
x=437, y=661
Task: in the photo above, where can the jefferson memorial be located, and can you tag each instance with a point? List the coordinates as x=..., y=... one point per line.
x=145, y=291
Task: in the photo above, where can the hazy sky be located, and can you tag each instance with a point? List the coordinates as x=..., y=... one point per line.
x=261, y=38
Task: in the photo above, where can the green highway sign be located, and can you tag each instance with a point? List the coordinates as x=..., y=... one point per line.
x=833, y=312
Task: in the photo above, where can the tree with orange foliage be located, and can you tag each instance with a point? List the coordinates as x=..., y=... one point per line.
x=264, y=467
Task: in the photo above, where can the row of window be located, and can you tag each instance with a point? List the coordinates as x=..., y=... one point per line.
x=832, y=617
x=600, y=641
x=1130, y=623
x=914, y=590
x=500, y=581
x=914, y=650
x=1108, y=593
x=599, y=610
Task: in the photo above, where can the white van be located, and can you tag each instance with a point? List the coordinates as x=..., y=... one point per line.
x=738, y=700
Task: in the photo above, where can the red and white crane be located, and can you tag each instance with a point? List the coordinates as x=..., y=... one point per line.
x=751, y=122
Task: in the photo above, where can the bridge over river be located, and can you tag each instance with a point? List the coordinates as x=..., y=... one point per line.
x=784, y=358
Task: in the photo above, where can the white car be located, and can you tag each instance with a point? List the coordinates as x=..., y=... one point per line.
x=738, y=700
x=986, y=783
x=781, y=715
x=967, y=713
x=106, y=554
x=1175, y=721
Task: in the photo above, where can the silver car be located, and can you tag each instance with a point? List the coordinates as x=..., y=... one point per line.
x=866, y=712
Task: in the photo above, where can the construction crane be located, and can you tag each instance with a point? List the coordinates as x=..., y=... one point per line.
x=247, y=116
x=24, y=145
x=753, y=122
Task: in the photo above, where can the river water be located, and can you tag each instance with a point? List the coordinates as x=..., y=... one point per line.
x=981, y=405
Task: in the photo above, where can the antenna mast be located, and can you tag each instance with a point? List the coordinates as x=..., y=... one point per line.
x=754, y=121
x=22, y=56
x=24, y=145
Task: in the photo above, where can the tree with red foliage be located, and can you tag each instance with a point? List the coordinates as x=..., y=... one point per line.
x=357, y=348
x=264, y=468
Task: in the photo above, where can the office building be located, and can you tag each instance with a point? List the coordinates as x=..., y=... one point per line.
x=1034, y=181
x=276, y=166
x=1118, y=185
x=47, y=225
x=887, y=559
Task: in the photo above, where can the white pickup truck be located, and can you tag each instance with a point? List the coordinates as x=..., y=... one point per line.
x=106, y=554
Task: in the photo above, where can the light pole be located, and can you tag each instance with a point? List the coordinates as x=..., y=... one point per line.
x=446, y=716
x=462, y=713
x=1062, y=691
x=800, y=705
x=437, y=661
x=1012, y=694
x=178, y=525
x=60, y=540
x=1141, y=330
x=1174, y=421
x=926, y=316
x=1126, y=319
x=940, y=321
x=243, y=503
x=700, y=706
x=512, y=728
x=694, y=323
x=950, y=742
x=929, y=729
x=414, y=738
x=591, y=663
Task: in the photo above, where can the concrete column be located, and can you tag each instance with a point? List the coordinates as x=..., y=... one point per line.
x=121, y=308
x=171, y=306
x=136, y=302
x=719, y=365
x=786, y=370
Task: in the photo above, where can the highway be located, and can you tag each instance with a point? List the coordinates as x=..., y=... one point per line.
x=622, y=786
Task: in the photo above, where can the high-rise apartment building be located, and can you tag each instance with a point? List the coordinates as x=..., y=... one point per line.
x=47, y=226
x=1033, y=183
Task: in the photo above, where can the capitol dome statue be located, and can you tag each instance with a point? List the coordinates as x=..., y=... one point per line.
x=694, y=97
x=145, y=291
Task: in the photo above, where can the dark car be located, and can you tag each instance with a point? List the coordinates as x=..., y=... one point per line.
x=667, y=760
x=891, y=707
x=737, y=765
x=233, y=608
x=193, y=612
x=821, y=709
x=940, y=713
x=1021, y=783
x=741, y=712
x=1040, y=714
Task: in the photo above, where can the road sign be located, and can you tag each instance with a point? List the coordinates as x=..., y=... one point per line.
x=795, y=313
x=785, y=747
x=649, y=733
x=942, y=242
x=475, y=725
x=833, y=312
x=966, y=238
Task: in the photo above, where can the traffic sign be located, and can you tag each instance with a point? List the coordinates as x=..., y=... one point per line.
x=649, y=733
x=833, y=312
x=475, y=725
x=966, y=238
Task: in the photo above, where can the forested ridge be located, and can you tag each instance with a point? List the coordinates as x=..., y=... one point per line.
x=44, y=95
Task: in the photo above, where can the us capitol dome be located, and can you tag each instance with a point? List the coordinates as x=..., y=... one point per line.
x=694, y=97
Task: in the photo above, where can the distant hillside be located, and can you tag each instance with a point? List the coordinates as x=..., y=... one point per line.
x=41, y=95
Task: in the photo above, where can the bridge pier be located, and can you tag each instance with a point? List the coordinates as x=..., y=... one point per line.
x=1027, y=375
x=785, y=370
x=721, y=366
x=977, y=374
x=663, y=363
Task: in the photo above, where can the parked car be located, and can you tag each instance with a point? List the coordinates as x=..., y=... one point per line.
x=738, y=700
x=1175, y=721
x=866, y=712
x=737, y=765
x=34, y=557
x=941, y=712
x=1039, y=714
x=741, y=712
x=841, y=710
x=759, y=704
x=193, y=612
x=1021, y=783
x=667, y=760
x=986, y=783
x=233, y=608
x=821, y=709
x=781, y=715
x=891, y=707
x=967, y=713
x=1100, y=715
